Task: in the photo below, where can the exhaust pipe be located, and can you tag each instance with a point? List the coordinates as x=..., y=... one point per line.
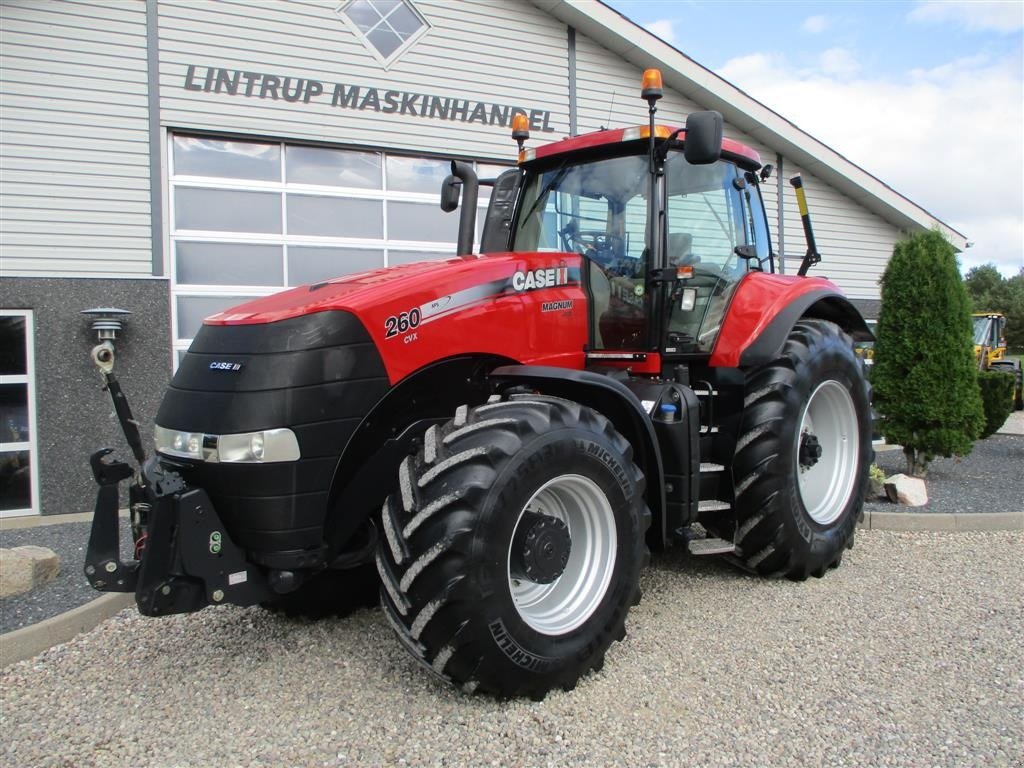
x=467, y=216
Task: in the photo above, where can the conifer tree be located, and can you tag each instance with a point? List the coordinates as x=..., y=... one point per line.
x=924, y=371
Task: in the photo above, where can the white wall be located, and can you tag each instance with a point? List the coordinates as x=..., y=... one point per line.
x=855, y=244
x=500, y=52
x=74, y=160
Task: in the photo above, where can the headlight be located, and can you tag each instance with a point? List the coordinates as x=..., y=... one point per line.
x=174, y=442
x=269, y=445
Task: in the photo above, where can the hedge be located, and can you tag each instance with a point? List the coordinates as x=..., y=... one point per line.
x=997, y=388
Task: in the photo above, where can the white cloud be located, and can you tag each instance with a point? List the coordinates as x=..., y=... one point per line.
x=662, y=28
x=815, y=24
x=838, y=61
x=997, y=15
x=948, y=138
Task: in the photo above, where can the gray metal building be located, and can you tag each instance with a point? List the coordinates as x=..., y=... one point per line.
x=173, y=157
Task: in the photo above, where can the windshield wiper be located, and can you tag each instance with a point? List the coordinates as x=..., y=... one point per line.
x=559, y=175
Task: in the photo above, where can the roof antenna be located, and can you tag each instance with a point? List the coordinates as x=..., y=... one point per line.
x=610, y=108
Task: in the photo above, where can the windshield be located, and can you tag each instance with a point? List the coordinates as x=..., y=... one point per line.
x=981, y=334
x=597, y=209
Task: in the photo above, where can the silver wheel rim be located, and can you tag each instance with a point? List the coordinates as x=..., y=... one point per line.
x=826, y=487
x=571, y=599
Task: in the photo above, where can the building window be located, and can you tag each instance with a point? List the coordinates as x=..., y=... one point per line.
x=249, y=218
x=19, y=483
x=386, y=27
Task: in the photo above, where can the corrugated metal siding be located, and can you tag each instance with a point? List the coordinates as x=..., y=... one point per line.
x=468, y=53
x=854, y=243
x=74, y=152
x=608, y=90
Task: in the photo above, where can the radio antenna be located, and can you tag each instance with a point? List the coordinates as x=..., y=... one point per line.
x=610, y=108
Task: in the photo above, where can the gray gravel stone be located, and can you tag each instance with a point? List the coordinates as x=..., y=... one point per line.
x=908, y=655
x=989, y=479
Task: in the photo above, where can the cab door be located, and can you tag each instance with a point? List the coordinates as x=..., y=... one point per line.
x=711, y=240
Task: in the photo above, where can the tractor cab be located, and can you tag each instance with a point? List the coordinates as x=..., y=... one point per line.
x=711, y=232
x=668, y=221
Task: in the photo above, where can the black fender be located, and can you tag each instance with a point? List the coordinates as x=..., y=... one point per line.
x=367, y=470
x=819, y=304
x=1012, y=365
x=619, y=404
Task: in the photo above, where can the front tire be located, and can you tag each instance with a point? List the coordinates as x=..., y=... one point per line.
x=513, y=548
x=802, y=458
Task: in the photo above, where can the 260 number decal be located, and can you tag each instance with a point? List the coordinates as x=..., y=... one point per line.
x=401, y=323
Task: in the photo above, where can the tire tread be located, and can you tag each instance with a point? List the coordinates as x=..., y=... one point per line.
x=416, y=567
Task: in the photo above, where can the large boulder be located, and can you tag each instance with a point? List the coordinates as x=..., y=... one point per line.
x=25, y=568
x=906, y=490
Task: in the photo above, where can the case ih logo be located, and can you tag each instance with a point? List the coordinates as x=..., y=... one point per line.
x=223, y=366
x=540, y=278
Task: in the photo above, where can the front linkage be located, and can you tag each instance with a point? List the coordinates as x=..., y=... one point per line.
x=184, y=557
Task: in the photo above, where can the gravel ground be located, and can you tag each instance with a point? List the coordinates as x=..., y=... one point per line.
x=989, y=479
x=69, y=589
x=908, y=655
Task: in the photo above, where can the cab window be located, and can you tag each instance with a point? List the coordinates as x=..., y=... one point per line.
x=707, y=220
x=598, y=210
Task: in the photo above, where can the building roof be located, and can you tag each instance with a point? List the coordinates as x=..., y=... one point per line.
x=636, y=45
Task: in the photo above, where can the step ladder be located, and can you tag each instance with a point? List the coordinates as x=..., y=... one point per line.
x=705, y=393
x=699, y=543
x=710, y=546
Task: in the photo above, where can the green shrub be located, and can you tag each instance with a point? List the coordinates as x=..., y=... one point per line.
x=997, y=398
x=876, y=480
x=924, y=374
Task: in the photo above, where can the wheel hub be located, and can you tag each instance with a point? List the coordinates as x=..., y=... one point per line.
x=574, y=549
x=825, y=455
x=810, y=450
x=541, y=548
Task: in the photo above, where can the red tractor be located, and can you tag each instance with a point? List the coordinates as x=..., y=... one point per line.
x=494, y=442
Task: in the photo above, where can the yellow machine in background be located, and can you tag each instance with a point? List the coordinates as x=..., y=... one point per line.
x=990, y=350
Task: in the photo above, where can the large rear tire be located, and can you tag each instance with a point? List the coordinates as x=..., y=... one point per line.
x=802, y=457
x=513, y=548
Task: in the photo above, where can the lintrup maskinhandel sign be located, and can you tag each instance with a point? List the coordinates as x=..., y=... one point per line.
x=259, y=85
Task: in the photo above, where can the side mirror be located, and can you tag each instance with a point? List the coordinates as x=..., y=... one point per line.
x=703, y=143
x=451, y=187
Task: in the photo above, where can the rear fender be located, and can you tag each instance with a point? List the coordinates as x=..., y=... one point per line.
x=620, y=405
x=765, y=310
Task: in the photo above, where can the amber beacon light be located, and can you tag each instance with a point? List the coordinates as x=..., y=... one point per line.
x=651, y=85
x=520, y=129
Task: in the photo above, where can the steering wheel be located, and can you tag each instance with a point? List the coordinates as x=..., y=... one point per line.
x=601, y=247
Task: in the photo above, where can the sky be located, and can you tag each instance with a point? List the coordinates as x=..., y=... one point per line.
x=927, y=96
